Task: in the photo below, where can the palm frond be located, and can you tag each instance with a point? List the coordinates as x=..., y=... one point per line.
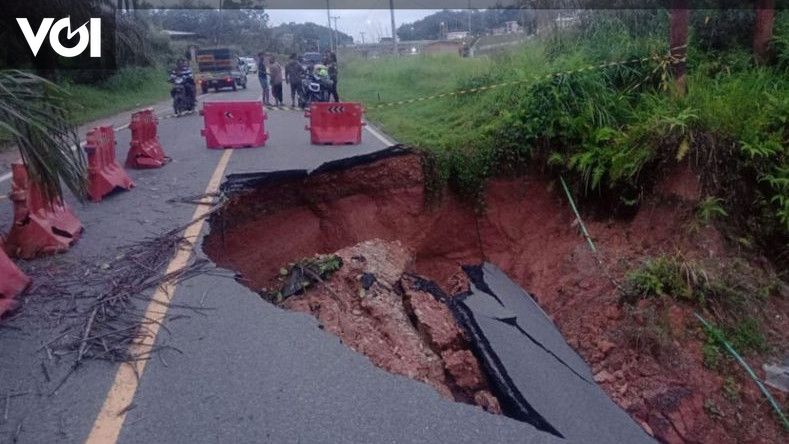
x=33, y=111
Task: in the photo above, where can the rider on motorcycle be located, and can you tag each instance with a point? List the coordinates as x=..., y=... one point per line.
x=315, y=85
x=183, y=70
x=320, y=75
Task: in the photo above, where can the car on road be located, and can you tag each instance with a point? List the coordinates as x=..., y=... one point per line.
x=310, y=58
x=252, y=65
x=219, y=68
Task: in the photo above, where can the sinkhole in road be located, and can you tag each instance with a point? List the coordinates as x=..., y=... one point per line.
x=391, y=254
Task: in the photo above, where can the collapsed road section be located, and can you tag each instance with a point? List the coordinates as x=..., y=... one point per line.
x=353, y=244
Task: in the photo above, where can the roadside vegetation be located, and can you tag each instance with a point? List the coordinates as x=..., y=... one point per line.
x=610, y=132
x=732, y=291
x=127, y=89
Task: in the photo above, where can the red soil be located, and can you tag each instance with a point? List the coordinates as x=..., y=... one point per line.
x=401, y=328
x=529, y=231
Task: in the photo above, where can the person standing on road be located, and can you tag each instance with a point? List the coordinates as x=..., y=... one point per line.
x=332, y=65
x=293, y=77
x=263, y=77
x=275, y=77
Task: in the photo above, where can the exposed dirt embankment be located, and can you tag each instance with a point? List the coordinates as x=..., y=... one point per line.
x=381, y=312
x=528, y=230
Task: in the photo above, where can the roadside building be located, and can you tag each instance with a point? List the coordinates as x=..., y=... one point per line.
x=444, y=47
x=511, y=27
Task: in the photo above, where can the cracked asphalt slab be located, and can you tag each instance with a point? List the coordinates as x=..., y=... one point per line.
x=246, y=371
x=550, y=376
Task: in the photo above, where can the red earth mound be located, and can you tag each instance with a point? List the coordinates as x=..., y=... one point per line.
x=381, y=312
x=529, y=231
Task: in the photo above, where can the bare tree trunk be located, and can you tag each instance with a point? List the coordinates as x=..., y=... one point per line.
x=763, y=31
x=678, y=43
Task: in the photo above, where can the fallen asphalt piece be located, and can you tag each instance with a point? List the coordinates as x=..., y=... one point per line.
x=537, y=376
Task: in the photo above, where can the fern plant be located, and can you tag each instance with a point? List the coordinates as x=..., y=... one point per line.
x=709, y=209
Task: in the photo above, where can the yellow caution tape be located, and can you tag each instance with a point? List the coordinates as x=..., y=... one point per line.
x=669, y=58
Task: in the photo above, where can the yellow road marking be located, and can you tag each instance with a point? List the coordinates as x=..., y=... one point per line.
x=110, y=420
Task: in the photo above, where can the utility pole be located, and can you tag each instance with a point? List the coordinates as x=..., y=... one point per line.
x=362, y=34
x=221, y=23
x=469, y=17
x=678, y=42
x=331, y=34
x=394, y=30
x=336, y=33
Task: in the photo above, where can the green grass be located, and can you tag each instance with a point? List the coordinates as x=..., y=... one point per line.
x=128, y=89
x=731, y=292
x=388, y=80
x=611, y=132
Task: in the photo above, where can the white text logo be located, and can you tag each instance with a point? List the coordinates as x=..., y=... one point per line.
x=87, y=37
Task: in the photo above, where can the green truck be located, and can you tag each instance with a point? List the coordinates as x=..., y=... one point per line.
x=219, y=68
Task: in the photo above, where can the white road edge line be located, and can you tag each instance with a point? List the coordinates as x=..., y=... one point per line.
x=378, y=135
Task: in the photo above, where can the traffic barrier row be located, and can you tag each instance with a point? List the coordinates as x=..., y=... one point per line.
x=12, y=283
x=145, y=151
x=104, y=173
x=41, y=226
x=338, y=123
x=44, y=226
x=239, y=124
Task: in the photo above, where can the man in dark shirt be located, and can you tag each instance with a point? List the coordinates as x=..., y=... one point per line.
x=293, y=77
x=332, y=65
x=275, y=78
x=263, y=76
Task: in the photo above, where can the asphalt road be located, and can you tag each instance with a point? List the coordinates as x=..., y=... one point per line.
x=247, y=371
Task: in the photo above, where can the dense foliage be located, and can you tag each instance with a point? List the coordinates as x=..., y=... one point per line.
x=246, y=30
x=435, y=26
x=610, y=132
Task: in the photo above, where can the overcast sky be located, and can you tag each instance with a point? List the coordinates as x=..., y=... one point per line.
x=374, y=23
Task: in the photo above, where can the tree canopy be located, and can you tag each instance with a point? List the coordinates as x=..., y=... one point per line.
x=434, y=26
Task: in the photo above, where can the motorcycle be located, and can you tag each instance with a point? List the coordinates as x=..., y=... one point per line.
x=182, y=92
x=314, y=88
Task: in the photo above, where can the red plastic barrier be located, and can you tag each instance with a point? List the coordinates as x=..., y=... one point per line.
x=234, y=124
x=104, y=173
x=335, y=123
x=12, y=283
x=145, y=150
x=40, y=226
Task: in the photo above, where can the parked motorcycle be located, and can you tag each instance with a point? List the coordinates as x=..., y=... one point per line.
x=183, y=91
x=315, y=87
